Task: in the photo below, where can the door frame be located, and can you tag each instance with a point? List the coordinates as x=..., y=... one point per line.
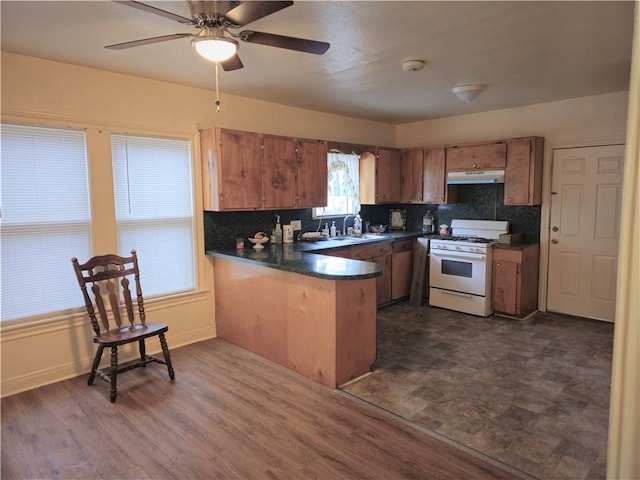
x=545, y=211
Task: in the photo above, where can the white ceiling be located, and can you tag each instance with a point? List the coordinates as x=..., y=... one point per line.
x=525, y=52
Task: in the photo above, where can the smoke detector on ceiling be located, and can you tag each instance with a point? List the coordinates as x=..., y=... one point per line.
x=413, y=65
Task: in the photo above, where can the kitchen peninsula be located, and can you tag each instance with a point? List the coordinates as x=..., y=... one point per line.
x=313, y=313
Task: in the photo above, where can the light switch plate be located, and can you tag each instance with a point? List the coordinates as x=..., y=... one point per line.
x=296, y=224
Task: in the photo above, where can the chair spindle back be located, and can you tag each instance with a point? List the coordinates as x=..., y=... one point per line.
x=106, y=275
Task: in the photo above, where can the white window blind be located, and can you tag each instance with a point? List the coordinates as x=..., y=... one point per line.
x=154, y=210
x=45, y=219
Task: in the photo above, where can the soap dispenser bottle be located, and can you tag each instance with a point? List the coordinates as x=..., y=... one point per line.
x=278, y=231
x=357, y=226
x=332, y=230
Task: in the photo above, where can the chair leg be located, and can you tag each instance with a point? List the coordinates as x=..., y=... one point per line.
x=94, y=366
x=167, y=357
x=143, y=352
x=114, y=373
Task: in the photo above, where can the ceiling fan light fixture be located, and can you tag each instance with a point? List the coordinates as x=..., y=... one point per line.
x=468, y=93
x=215, y=48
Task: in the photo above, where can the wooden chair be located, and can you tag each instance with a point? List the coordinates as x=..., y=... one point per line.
x=106, y=271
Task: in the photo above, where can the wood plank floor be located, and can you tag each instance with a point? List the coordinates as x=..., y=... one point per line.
x=229, y=414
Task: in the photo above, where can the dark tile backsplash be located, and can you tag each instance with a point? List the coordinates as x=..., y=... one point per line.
x=475, y=202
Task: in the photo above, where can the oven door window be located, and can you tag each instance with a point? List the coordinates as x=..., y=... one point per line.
x=457, y=268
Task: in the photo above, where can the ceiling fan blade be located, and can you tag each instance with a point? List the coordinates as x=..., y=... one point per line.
x=234, y=63
x=248, y=12
x=157, y=11
x=148, y=41
x=282, y=41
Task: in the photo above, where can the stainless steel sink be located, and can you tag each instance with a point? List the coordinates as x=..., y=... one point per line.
x=363, y=238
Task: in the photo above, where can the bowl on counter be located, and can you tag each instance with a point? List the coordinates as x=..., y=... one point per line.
x=258, y=240
x=378, y=228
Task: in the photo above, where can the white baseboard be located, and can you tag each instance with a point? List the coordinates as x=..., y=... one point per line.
x=58, y=373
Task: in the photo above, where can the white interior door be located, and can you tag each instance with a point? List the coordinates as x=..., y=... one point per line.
x=586, y=194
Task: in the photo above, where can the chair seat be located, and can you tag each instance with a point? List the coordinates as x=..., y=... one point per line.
x=126, y=334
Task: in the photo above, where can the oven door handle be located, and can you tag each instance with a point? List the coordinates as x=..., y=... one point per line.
x=469, y=255
x=457, y=294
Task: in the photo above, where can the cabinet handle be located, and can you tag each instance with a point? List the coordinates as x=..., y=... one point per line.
x=554, y=241
x=509, y=199
x=498, y=264
x=475, y=165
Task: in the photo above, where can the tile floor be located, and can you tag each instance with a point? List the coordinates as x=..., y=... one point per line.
x=533, y=393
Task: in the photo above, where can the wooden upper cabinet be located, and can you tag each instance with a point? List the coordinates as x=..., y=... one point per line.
x=523, y=174
x=232, y=169
x=477, y=157
x=312, y=173
x=250, y=171
x=279, y=169
x=380, y=177
x=411, y=176
x=434, y=176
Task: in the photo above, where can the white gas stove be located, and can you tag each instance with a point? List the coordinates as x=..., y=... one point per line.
x=460, y=266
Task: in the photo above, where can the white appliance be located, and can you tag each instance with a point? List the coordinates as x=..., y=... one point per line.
x=460, y=266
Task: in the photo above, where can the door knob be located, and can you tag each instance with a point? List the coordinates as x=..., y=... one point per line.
x=554, y=241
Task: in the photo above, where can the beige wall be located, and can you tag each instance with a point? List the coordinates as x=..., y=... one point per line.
x=64, y=91
x=600, y=118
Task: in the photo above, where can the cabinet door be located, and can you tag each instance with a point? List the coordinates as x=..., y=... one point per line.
x=240, y=170
x=505, y=287
x=209, y=161
x=411, y=168
x=280, y=166
x=388, y=176
x=401, y=274
x=434, y=176
x=383, y=283
x=477, y=157
x=523, y=174
x=312, y=173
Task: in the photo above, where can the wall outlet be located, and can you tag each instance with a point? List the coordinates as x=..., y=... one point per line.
x=296, y=224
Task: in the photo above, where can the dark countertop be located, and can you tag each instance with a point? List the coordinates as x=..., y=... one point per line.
x=512, y=246
x=306, y=258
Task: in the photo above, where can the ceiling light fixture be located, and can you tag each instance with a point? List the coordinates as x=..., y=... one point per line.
x=413, y=65
x=468, y=93
x=212, y=45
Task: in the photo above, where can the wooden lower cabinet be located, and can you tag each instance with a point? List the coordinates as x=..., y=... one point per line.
x=380, y=253
x=401, y=268
x=396, y=259
x=515, y=279
x=323, y=329
x=383, y=282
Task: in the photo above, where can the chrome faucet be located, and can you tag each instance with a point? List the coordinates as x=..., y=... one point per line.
x=344, y=224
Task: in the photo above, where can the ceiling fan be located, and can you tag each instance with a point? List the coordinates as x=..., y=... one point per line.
x=216, y=19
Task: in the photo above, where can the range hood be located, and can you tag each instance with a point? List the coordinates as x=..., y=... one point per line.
x=475, y=176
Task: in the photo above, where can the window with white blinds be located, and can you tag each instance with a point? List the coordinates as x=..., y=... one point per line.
x=45, y=219
x=154, y=210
